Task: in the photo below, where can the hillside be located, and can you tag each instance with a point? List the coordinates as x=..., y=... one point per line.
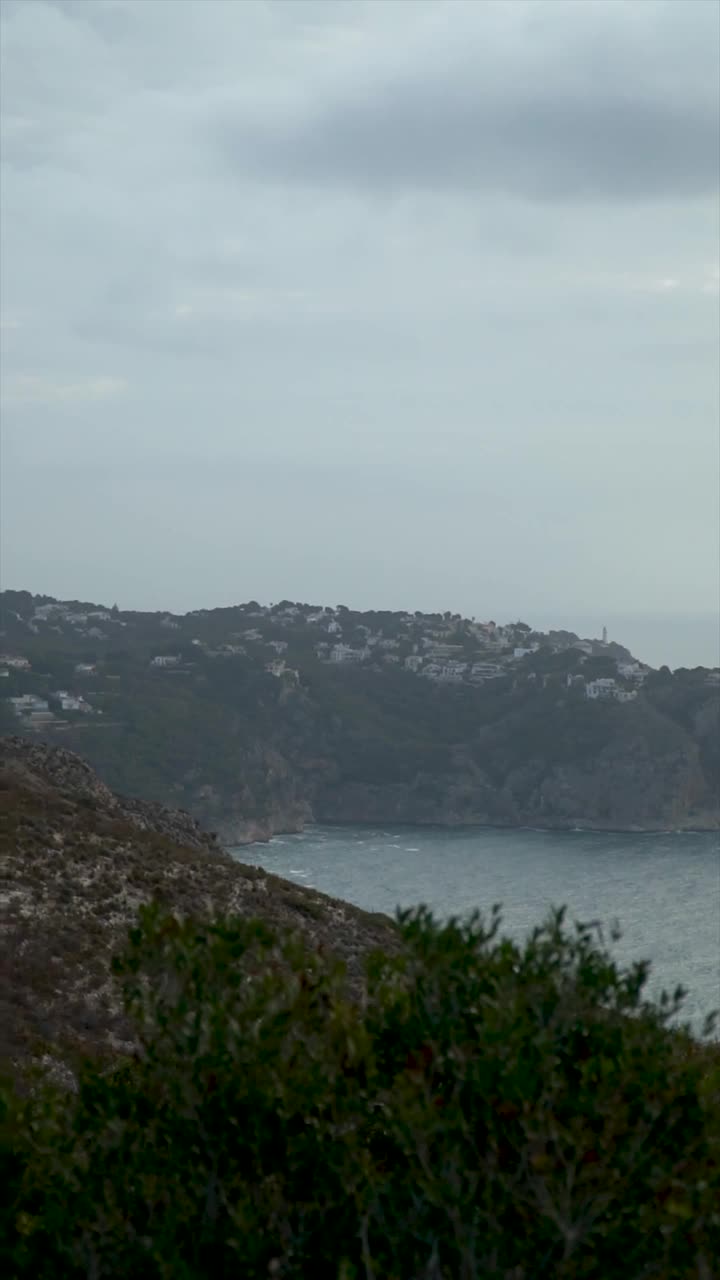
x=76, y=862
x=220, y=1103
x=257, y=720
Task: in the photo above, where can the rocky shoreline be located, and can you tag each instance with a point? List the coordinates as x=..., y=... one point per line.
x=239, y=834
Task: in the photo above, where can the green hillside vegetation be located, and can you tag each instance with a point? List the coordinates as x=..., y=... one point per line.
x=489, y=1110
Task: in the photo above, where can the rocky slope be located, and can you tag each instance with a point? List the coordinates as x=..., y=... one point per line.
x=76, y=862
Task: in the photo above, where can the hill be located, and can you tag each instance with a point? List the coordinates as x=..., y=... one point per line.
x=257, y=720
x=76, y=863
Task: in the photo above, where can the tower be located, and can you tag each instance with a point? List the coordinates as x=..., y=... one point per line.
x=604, y=635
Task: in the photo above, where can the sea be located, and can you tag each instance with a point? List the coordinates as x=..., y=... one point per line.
x=663, y=890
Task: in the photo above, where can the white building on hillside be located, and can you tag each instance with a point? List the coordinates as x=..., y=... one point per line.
x=603, y=687
x=607, y=687
x=344, y=653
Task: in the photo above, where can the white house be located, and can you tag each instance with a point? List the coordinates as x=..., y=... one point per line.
x=69, y=702
x=414, y=662
x=603, y=687
x=166, y=660
x=607, y=687
x=344, y=653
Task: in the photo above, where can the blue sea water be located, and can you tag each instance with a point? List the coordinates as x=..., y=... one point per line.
x=663, y=890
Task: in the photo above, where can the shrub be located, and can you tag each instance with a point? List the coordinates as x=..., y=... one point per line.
x=490, y=1110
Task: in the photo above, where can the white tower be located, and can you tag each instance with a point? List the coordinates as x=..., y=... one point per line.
x=604, y=635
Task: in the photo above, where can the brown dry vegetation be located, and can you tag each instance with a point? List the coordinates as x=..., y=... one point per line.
x=75, y=865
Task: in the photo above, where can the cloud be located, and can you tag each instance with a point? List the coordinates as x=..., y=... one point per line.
x=552, y=109
x=38, y=389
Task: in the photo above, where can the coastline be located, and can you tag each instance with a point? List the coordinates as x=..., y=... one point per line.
x=263, y=832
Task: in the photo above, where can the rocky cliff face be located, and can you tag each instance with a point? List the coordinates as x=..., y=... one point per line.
x=626, y=791
x=641, y=772
x=242, y=815
x=76, y=863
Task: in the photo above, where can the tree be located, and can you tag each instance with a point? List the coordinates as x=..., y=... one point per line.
x=489, y=1109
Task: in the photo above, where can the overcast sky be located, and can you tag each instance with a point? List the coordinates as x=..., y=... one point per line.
x=394, y=304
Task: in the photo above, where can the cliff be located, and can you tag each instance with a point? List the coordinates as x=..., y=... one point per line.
x=76, y=862
x=552, y=760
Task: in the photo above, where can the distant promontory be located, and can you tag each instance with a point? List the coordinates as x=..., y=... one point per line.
x=260, y=719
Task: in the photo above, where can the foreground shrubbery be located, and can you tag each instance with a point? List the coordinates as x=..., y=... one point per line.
x=493, y=1111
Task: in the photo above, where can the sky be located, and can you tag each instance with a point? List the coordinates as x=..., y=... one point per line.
x=396, y=305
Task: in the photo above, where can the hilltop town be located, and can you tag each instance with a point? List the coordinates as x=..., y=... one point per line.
x=261, y=718
x=446, y=649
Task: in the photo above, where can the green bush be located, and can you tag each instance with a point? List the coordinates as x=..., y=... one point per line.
x=487, y=1110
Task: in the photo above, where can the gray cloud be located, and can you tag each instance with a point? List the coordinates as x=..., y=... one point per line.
x=549, y=147
x=602, y=114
